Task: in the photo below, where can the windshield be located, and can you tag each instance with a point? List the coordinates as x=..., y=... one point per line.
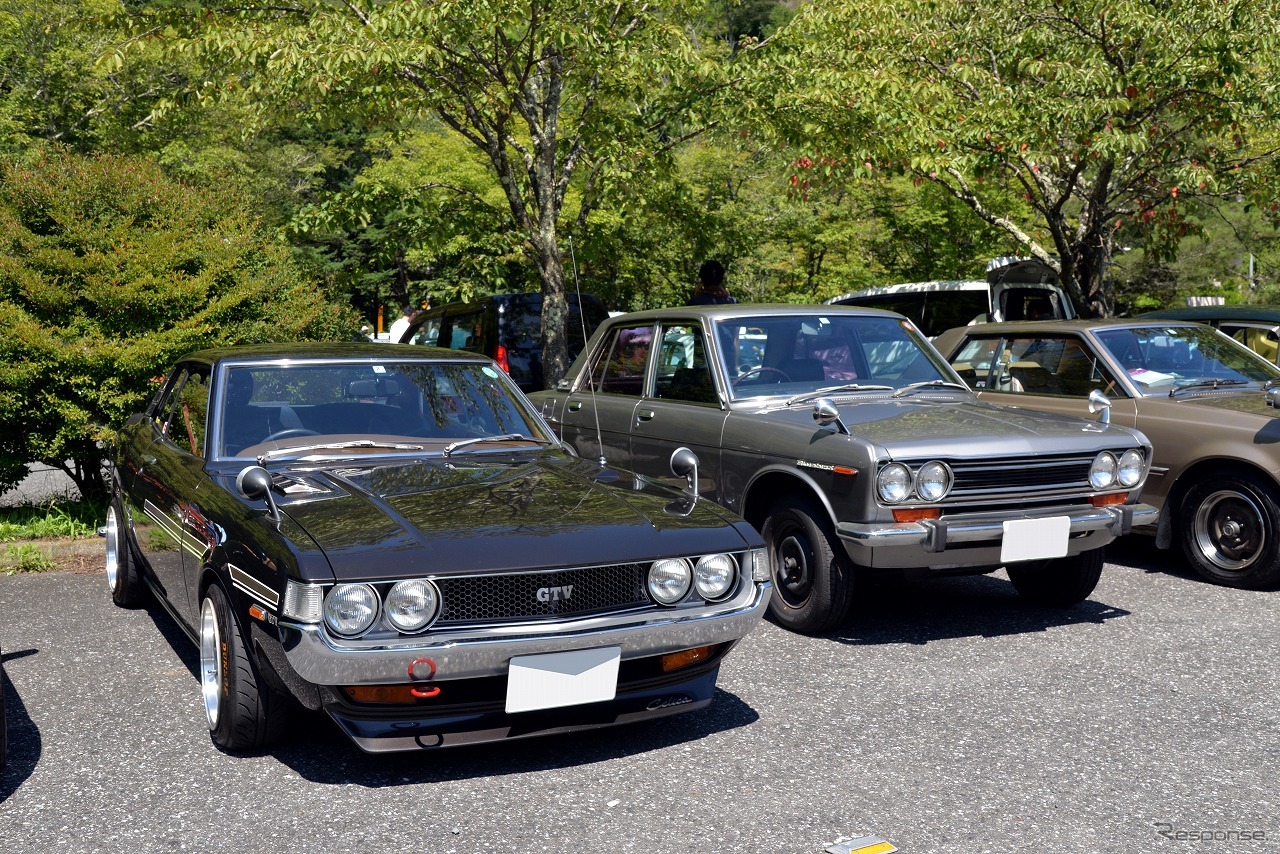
x=793, y=355
x=1160, y=359
x=282, y=410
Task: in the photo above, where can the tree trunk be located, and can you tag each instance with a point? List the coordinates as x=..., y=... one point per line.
x=555, y=311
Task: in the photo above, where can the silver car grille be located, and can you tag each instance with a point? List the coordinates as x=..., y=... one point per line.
x=1033, y=476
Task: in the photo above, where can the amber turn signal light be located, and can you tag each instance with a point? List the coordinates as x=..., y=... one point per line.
x=1108, y=500
x=677, y=660
x=383, y=694
x=915, y=514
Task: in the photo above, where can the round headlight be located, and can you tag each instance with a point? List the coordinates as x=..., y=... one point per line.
x=411, y=605
x=669, y=580
x=894, y=483
x=933, y=481
x=1130, y=472
x=1102, y=474
x=713, y=576
x=350, y=609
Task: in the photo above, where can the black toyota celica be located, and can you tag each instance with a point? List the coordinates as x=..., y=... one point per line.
x=395, y=537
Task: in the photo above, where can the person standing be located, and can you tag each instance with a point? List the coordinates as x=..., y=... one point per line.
x=402, y=323
x=710, y=289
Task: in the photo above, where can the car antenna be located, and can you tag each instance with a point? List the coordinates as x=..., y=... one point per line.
x=591, y=383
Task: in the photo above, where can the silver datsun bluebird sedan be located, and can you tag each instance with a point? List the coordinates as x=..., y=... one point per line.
x=854, y=447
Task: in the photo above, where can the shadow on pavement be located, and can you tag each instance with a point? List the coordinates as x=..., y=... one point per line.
x=1139, y=552
x=896, y=611
x=25, y=742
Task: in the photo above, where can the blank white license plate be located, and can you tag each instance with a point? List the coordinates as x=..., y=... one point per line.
x=1035, y=539
x=563, y=679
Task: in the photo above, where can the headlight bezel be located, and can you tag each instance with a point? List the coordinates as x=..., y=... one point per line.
x=947, y=479
x=1106, y=465
x=390, y=606
x=1139, y=468
x=686, y=581
x=375, y=610
x=730, y=582
x=902, y=475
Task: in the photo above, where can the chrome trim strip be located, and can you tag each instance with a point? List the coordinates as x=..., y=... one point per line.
x=471, y=655
x=969, y=530
x=253, y=587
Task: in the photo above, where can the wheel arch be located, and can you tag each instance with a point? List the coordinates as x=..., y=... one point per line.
x=1198, y=472
x=770, y=484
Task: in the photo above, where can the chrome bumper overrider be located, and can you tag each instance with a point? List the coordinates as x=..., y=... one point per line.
x=934, y=535
x=479, y=653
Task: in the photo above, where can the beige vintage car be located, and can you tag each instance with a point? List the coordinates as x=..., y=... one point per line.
x=1206, y=402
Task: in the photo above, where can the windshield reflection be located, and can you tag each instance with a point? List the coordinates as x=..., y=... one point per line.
x=794, y=355
x=1160, y=359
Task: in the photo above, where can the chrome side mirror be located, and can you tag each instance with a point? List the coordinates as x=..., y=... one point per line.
x=825, y=412
x=1100, y=403
x=1271, y=393
x=684, y=463
x=254, y=483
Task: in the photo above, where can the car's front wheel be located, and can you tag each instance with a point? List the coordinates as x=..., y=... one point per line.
x=123, y=576
x=1060, y=582
x=1230, y=530
x=243, y=713
x=812, y=576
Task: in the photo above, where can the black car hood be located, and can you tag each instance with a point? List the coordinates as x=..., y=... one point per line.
x=500, y=513
x=934, y=423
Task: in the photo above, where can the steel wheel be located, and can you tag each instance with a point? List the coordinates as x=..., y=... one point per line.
x=793, y=566
x=812, y=575
x=212, y=674
x=124, y=578
x=1230, y=529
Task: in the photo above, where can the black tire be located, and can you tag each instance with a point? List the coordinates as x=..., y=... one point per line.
x=1060, y=582
x=1230, y=531
x=243, y=712
x=812, y=576
x=124, y=578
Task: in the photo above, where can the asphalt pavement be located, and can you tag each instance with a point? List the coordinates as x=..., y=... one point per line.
x=945, y=717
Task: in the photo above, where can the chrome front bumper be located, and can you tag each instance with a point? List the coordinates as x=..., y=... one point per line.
x=479, y=653
x=933, y=536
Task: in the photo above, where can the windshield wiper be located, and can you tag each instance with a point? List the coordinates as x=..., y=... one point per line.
x=505, y=437
x=835, y=389
x=1205, y=383
x=940, y=384
x=335, y=446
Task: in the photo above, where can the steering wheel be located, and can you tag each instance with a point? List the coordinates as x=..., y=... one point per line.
x=289, y=432
x=760, y=369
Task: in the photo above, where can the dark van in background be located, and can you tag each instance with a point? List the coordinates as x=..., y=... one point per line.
x=507, y=328
x=1015, y=289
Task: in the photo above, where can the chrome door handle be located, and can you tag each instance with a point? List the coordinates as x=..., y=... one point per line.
x=574, y=405
x=645, y=415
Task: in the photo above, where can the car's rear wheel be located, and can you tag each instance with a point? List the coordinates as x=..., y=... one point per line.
x=243, y=714
x=813, y=578
x=1060, y=582
x=1230, y=529
x=123, y=576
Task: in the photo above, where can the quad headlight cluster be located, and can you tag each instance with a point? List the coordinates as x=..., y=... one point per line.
x=1108, y=471
x=712, y=577
x=352, y=609
x=930, y=482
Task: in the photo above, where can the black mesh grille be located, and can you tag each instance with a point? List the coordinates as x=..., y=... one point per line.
x=1023, y=473
x=540, y=595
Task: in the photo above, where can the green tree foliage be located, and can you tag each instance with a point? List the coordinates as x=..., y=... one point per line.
x=556, y=94
x=109, y=270
x=1093, y=114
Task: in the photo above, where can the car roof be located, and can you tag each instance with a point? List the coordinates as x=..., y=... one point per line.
x=732, y=310
x=942, y=285
x=1266, y=313
x=311, y=350
x=1077, y=325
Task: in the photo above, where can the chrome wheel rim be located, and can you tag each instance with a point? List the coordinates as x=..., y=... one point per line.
x=210, y=662
x=1230, y=530
x=113, y=549
x=793, y=569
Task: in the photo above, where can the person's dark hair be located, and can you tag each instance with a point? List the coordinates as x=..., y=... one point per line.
x=711, y=274
x=407, y=309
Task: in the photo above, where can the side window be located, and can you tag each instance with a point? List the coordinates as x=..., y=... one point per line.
x=188, y=409
x=428, y=334
x=464, y=332
x=619, y=367
x=975, y=360
x=1045, y=365
x=682, y=372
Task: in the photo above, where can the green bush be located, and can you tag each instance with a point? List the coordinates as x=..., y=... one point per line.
x=109, y=270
